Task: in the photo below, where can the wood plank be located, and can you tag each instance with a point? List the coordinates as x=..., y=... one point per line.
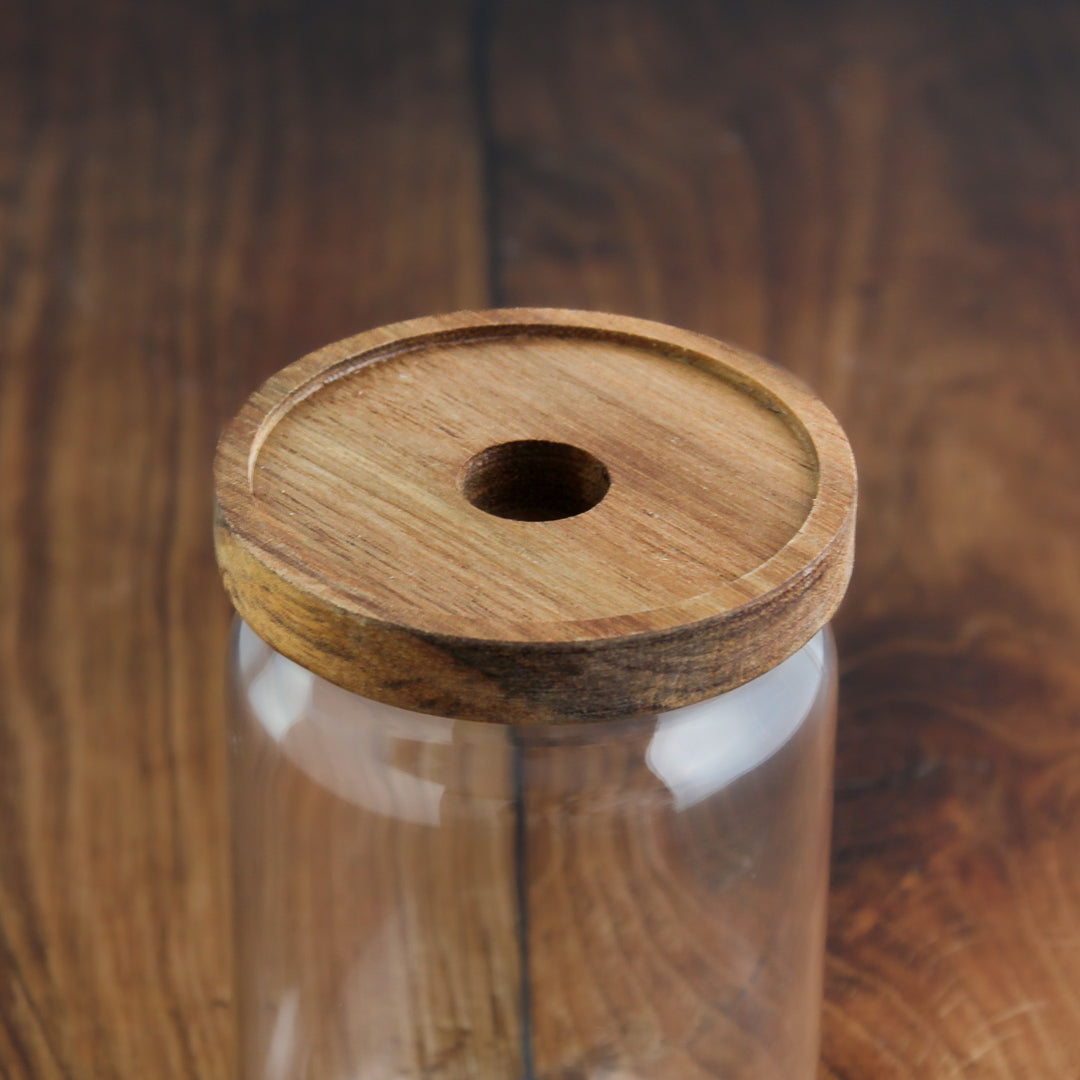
x=190, y=197
x=884, y=199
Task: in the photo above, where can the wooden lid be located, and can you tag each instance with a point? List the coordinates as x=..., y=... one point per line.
x=534, y=516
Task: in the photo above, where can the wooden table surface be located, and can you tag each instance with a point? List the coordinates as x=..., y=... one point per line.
x=883, y=196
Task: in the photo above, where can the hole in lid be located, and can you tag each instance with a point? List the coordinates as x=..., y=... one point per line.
x=535, y=480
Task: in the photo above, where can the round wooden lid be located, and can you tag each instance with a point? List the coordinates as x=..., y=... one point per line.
x=534, y=516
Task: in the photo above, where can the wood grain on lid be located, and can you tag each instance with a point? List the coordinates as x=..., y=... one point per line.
x=534, y=515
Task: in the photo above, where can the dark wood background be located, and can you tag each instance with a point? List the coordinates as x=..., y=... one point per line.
x=883, y=196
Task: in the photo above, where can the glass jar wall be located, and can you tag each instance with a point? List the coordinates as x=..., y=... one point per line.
x=421, y=897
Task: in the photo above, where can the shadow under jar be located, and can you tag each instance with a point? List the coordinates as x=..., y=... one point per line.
x=534, y=702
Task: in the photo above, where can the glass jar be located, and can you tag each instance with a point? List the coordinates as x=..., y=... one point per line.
x=534, y=701
x=418, y=896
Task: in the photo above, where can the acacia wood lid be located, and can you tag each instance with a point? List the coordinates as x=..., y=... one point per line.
x=534, y=516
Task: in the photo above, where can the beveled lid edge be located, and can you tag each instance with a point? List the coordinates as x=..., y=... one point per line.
x=600, y=669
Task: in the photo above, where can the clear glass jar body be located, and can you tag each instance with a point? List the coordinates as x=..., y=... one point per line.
x=420, y=897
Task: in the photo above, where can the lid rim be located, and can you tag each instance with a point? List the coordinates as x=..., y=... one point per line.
x=329, y=628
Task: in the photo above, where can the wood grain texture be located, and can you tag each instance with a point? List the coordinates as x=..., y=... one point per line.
x=881, y=196
x=190, y=196
x=720, y=544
